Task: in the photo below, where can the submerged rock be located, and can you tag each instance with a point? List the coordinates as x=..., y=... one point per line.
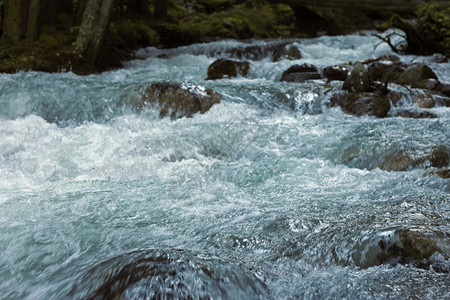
x=300, y=73
x=359, y=104
x=227, y=68
x=179, y=100
x=414, y=246
x=168, y=274
x=257, y=52
x=402, y=160
x=289, y=52
x=414, y=114
x=443, y=173
x=335, y=73
x=358, y=80
x=420, y=244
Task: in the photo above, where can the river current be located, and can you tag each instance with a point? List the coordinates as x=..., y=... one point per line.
x=255, y=199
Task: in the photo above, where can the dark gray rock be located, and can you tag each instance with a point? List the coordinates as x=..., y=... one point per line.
x=415, y=74
x=227, y=68
x=300, y=73
x=335, y=73
x=358, y=80
x=379, y=71
x=444, y=89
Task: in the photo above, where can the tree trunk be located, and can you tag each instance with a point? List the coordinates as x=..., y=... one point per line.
x=143, y=6
x=160, y=9
x=93, y=29
x=78, y=11
x=16, y=19
x=138, y=7
x=34, y=21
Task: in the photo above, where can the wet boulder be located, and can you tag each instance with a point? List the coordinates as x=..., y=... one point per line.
x=414, y=246
x=358, y=80
x=444, y=89
x=300, y=73
x=179, y=100
x=425, y=101
x=359, y=104
x=227, y=68
x=335, y=73
x=427, y=84
x=415, y=75
x=403, y=160
x=384, y=72
x=289, y=52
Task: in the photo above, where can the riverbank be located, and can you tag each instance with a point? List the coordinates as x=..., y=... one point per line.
x=186, y=23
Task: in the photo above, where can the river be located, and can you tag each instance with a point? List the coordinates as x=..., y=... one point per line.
x=255, y=199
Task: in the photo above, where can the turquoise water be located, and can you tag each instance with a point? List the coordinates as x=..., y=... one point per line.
x=256, y=199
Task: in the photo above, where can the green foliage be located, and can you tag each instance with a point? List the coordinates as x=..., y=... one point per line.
x=127, y=34
x=253, y=18
x=435, y=22
x=47, y=41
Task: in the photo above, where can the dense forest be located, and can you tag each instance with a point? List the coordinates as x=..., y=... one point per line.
x=93, y=35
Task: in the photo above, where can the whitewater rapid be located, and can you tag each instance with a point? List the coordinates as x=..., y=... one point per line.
x=257, y=198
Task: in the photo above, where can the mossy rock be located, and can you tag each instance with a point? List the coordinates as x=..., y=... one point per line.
x=240, y=26
x=48, y=41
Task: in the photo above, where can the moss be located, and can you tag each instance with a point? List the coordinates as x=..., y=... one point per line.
x=430, y=34
x=250, y=19
x=127, y=34
x=434, y=21
x=175, y=11
x=47, y=41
